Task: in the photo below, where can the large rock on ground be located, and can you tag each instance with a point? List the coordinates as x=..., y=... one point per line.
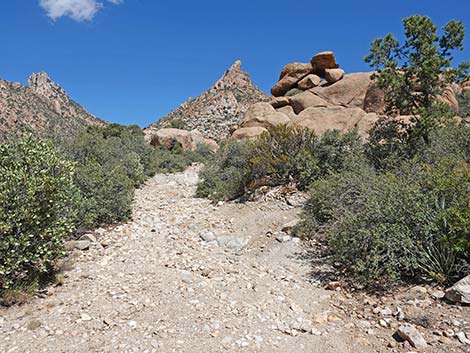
x=348, y=92
x=248, y=132
x=411, y=334
x=460, y=292
x=335, y=118
x=263, y=114
x=448, y=97
x=212, y=145
x=334, y=75
x=188, y=140
x=279, y=102
x=290, y=75
x=374, y=100
x=309, y=81
x=322, y=61
x=287, y=110
x=170, y=137
x=306, y=100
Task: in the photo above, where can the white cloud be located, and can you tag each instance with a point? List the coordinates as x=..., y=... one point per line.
x=79, y=10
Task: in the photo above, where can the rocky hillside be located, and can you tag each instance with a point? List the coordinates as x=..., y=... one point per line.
x=217, y=109
x=42, y=106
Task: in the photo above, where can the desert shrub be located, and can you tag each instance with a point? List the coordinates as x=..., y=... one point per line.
x=226, y=175
x=449, y=141
x=385, y=227
x=178, y=124
x=449, y=183
x=393, y=141
x=108, y=192
x=282, y=155
x=38, y=209
x=293, y=92
x=338, y=151
x=464, y=105
x=110, y=162
x=177, y=160
x=279, y=157
x=377, y=225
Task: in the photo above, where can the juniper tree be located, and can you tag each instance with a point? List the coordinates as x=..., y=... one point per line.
x=414, y=73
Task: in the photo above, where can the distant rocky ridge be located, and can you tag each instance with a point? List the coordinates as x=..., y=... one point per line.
x=215, y=111
x=42, y=107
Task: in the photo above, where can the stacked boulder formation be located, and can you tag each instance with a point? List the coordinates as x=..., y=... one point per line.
x=321, y=96
x=307, y=76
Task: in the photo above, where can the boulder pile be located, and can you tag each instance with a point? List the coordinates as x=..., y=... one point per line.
x=317, y=95
x=321, y=96
x=187, y=140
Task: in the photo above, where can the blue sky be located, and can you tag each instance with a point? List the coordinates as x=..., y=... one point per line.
x=133, y=61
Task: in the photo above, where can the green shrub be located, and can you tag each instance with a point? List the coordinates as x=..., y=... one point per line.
x=393, y=141
x=178, y=124
x=111, y=161
x=408, y=224
x=376, y=224
x=450, y=141
x=282, y=155
x=279, y=157
x=293, y=92
x=227, y=174
x=449, y=183
x=177, y=160
x=38, y=209
x=108, y=192
x=464, y=106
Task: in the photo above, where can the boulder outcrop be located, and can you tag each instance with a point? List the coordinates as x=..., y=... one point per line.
x=322, y=61
x=338, y=102
x=350, y=91
x=305, y=100
x=327, y=98
x=264, y=115
x=334, y=75
x=187, y=140
x=248, y=132
x=309, y=81
x=322, y=119
x=290, y=75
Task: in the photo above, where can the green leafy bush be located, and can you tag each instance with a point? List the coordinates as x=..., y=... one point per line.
x=38, y=209
x=178, y=124
x=293, y=92
x=110, y=162
x=393, y=141
x=464, y=106
x=279, y=157
x=177, y=160
x=407, y=224
x=113, y=160
x=227, y=174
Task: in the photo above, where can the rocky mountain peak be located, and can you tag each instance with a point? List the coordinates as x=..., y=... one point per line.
x=42, y=106
x=217, y=109
x=234, y=77
x=41, y=84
